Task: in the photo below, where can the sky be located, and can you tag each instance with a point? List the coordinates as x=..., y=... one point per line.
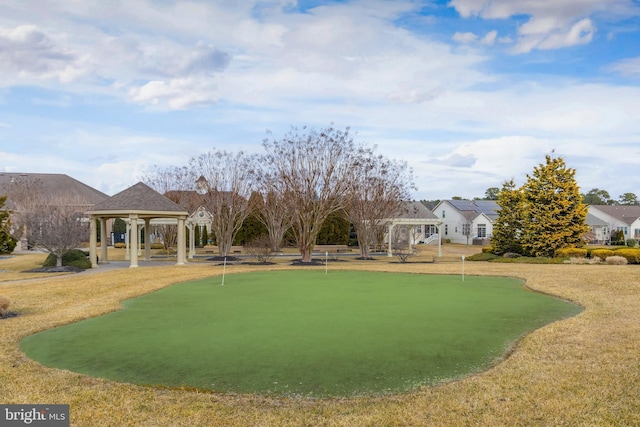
x=470, y=93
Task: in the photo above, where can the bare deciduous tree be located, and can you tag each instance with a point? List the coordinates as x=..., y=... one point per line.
x=225, y=182
x=380, y=187
x=176, y=184
x=53, y=222
x=260, y=249
x=274, y=212
x=402, y=247
x=316, y=172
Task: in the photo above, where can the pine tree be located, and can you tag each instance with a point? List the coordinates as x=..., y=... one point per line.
x=507, y=230
x=7, y=242
x=554, y=215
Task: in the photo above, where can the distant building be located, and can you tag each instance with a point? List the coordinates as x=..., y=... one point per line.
x=467, y=221
x=605, y=219
x=51, y=184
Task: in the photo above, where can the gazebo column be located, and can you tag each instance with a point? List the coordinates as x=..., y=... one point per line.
x=182, y=241
x=127, y=240
x=103, y=240
x=133, y=236
x=93, y=242
x=389, y=254
x=192, y=243
x=147, y=240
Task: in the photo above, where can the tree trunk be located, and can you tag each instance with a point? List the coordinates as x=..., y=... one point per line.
x=306, y=252
x=58, y=260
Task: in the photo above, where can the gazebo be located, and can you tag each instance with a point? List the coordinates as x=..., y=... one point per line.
x=139, y=204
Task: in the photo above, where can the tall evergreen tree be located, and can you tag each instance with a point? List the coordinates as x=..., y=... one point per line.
x=335, y=230
x=507, y=230
x=7, y=241
x=554, y=214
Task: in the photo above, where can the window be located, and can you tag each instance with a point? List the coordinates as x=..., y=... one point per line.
x=466, y=229
x=636, y=233
x=482, y=230
x=446, y=229
x=418, y=229
x=443, y=213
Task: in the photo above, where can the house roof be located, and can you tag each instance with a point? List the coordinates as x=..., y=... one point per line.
x=626, y=214
x=593, y=220
x=416, y=210
x=139, y=197
x=470, y=209
x=52, y=184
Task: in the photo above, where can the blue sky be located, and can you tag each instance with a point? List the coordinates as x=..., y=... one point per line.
x=469, y=92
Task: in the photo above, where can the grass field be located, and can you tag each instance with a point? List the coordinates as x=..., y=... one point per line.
x=581, y=371
x=304, y=333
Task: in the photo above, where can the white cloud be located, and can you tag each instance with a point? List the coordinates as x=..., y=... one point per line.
x=464, y=37
x=629, y=67
x=28, y=52
x=552, y=24
x=489, y=38
x=176, y=94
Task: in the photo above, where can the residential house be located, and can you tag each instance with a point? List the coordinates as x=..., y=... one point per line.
x=416, y=232
x=605, y=219
x=467, y=221
x=52, y=185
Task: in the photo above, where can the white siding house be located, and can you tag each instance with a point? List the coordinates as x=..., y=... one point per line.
x=467, y=221
x=604, y=219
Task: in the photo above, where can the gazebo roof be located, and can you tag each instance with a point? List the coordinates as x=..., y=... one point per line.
x=139, y=198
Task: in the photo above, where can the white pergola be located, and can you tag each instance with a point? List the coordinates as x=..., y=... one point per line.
x=138, y=205
x=414, y=222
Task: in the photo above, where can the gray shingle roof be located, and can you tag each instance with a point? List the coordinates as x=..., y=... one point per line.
x=415, y=210
x=53, y=183
x=626, y=214
x=139, y=197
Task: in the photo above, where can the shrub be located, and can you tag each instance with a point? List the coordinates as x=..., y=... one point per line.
x=616, y=260
x=528, y=260
x=617, y=238
x=4, y=305
x=153, y=245
x=260, y=249
x=631, y=243
x=632, y=255
x=571, y=253
x=487, y=250
x=484, y=256
x=120, y=245
x=582, y=260
x=73, y=257
x=601, y=253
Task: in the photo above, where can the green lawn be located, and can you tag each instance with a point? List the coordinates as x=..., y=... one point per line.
x=304, y=332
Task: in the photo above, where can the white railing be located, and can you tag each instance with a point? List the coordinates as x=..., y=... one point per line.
x=431, y=239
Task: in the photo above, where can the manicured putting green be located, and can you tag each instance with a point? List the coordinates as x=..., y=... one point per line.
x=304, y=332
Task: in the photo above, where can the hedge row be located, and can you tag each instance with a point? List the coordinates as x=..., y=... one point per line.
x=632, y=255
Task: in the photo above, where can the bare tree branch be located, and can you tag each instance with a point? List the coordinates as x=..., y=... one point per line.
x=381, y=185
x=316, y=172
x=53, y=222
x=225, y=181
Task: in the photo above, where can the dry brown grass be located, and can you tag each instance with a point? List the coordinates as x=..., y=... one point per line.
x=583, y=371
x=13, y=268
